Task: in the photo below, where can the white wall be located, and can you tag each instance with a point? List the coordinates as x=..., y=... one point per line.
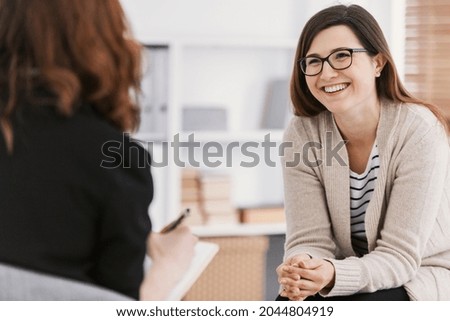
x=251, y=18
x=235, y=18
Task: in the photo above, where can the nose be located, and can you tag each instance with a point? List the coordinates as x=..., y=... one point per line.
x=327, y=71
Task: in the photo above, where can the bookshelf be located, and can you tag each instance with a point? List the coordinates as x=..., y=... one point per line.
x=233, y=75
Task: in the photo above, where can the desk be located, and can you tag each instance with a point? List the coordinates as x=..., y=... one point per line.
x=244, y=268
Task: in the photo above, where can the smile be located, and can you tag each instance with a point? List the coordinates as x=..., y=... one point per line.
x=335, y=88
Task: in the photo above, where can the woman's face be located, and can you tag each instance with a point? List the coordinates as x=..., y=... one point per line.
x=352, y=89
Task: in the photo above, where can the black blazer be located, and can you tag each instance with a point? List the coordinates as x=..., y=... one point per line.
x=71, y=205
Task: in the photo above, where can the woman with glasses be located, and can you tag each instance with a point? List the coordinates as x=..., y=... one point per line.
x=367, y=182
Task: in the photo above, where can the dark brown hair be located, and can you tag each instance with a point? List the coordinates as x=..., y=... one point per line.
x=369, y=33
x=78, y=50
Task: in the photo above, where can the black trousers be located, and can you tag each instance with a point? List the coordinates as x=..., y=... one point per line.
x=397, y=294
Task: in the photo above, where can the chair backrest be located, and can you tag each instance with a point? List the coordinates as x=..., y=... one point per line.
x=25, y=285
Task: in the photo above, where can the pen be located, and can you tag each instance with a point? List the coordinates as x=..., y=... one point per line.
x=173, y=225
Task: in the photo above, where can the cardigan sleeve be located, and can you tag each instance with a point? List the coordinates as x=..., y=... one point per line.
x=421, y=172
x=307, y=217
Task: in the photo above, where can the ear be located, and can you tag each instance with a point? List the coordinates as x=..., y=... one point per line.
x=379, y=61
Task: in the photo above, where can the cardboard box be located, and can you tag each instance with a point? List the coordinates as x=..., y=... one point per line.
x=237, y=273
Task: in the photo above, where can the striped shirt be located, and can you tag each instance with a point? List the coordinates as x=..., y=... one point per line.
x=361, y=190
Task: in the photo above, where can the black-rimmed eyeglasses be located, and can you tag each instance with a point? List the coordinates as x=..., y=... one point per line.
x=339, y=59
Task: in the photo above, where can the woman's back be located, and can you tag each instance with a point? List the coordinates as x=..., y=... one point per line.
x=61, y=211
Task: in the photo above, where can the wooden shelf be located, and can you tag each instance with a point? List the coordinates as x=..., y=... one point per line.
x=239, y=230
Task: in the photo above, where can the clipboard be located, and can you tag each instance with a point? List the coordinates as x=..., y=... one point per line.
x=204, y=252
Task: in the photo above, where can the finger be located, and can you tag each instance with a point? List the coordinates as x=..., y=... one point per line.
x=298, y=258
x=296, y=273
x=289, y=277
x=303, y=287
x=283, y=269
x=292, y=260
x=309, y=285
x=308, y=288
x=291, y=271
x=310, y=264
x=279, y=269
x=289, y=295
x=306, y=294
x=286, y=272
x=293, y=291
x=308, y=274
x=318, y=275
x=297, y=298
x=288, y=282
x=289, y=268
x=284, y=293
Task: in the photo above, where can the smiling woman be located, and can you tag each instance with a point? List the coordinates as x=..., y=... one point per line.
x=375, y=227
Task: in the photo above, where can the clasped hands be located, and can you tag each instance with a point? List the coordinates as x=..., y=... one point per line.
x=301, y=276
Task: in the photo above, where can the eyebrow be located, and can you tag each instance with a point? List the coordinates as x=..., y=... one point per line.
x=333, y=50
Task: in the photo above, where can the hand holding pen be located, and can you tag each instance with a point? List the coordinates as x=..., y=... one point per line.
x=171, y=254
x=176, y=247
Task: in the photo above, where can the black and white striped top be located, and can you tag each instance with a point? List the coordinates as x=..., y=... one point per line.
x=361, y=190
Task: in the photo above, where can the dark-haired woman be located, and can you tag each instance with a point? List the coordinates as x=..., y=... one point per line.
x=368, y=207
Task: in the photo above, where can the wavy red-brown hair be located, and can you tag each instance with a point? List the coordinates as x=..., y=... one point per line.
x=80, y=51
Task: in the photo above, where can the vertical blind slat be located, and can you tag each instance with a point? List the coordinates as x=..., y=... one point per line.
x=427, y=51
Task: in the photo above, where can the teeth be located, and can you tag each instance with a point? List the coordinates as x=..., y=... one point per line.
x=335, y=88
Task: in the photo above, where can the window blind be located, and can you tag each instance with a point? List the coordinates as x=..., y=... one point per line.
x=427, y=51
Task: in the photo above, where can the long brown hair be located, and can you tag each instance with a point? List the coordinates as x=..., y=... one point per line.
x=369, y=33
x=78, y=50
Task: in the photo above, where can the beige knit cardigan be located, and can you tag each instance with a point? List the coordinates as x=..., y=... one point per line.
x=407, y=220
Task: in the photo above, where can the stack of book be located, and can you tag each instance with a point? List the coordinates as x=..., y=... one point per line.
x=191, y=196
x=263, y=214
x=208, y=196
x=216, y=199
